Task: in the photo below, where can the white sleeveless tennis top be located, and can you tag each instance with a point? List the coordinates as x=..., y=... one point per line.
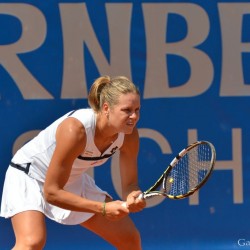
x=39, y=150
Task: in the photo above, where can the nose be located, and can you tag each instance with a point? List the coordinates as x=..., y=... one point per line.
x=134, y=115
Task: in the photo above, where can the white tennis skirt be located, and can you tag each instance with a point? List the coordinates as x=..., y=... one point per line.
x=22, y=193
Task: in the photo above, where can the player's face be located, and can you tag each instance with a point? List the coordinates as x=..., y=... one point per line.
x=126, y=113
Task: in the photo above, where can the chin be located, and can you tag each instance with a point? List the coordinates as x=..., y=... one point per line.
x=128, y=131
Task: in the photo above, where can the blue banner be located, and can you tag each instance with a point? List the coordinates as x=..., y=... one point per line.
x=191, y=62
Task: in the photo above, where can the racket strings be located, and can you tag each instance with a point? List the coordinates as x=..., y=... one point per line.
x=189, y=172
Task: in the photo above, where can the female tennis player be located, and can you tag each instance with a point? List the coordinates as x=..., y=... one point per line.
x=46, y=177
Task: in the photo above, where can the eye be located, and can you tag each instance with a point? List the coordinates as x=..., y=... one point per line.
x=127, y=110
x=137, y=111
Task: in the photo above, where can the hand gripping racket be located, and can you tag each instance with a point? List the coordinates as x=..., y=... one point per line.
x=187, y=172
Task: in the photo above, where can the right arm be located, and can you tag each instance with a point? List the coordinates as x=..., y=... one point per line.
x=70, y=142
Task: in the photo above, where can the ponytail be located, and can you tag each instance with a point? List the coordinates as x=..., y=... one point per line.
x=95, y=92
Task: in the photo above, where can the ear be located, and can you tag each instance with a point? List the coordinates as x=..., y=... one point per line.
x=105, y=107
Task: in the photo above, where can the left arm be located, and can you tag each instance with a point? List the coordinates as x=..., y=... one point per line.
x=129, y=172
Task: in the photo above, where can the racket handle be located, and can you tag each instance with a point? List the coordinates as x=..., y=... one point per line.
x=124, y=204
x=141, y=197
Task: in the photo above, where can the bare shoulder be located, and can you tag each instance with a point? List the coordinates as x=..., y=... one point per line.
x=72, y=131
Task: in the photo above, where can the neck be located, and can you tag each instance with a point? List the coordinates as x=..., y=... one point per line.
x=103, y=130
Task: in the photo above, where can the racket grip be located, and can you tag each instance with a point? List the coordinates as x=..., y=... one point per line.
x=124, y=204
x=140, y=197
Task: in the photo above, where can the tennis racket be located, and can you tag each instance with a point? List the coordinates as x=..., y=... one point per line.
x=186, y=174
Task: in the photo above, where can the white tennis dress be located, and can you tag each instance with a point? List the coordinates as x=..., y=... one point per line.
x=23, y=186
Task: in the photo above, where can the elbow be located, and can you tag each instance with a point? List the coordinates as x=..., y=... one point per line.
x=50, y=196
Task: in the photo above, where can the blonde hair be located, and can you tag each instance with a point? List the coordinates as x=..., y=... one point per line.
x=108, y=89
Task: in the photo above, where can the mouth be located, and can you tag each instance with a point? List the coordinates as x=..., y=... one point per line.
x=130, y=123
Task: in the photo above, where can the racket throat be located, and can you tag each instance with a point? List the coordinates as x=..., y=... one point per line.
x=164, y=184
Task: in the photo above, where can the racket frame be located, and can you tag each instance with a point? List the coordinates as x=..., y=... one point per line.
x=152, y=190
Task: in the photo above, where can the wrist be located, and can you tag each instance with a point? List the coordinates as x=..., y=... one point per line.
x=104, y=208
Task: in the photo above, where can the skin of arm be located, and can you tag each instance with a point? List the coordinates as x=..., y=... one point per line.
x=70, y=142
x=129, y=172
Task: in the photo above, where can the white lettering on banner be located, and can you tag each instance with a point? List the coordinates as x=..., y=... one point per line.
x=232, y=80
x=23, y=138
x=33, y=35
x=235, y=165
x=79, y=27
x=156, y=15
x=78, y=31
